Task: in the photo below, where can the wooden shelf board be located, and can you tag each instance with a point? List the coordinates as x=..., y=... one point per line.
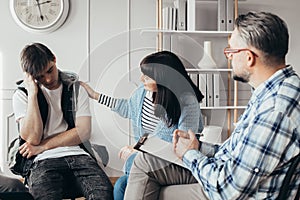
x=208, y=70
x=223, y=107
x=201, y=33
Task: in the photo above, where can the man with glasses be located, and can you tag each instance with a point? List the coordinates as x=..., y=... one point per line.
x=253, y=161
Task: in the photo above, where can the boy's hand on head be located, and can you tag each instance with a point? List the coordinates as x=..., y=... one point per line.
x=30, y=84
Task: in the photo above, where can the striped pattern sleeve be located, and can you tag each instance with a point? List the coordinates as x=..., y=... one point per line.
x=149, y=120
x=107, y=101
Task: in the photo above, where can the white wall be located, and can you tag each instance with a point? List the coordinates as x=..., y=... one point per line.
x=116, y=47
x=115, y=55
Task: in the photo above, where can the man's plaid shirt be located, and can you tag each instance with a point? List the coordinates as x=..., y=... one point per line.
x=252, y=163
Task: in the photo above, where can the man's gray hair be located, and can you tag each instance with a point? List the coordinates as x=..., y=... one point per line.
x=266, y=32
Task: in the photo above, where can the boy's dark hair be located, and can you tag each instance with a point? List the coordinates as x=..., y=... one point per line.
x=35, y=58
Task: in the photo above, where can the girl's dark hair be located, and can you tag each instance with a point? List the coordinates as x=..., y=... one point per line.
x=35, y=58
x=172, y=82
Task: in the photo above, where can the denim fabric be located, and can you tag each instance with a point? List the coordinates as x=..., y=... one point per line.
x=120, y=187
x=46, y=180
x=121, y=183
x=128, y=163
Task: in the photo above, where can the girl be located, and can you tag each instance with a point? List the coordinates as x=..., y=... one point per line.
x=167, y=100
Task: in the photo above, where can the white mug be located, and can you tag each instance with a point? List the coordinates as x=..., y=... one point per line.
x=212, y=134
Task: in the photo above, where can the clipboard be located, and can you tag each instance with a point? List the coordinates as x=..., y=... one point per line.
x=159, y=148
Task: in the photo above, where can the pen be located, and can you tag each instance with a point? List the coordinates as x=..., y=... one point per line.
x=198, y=135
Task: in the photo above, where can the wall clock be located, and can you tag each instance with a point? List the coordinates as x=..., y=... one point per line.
x=39, y=16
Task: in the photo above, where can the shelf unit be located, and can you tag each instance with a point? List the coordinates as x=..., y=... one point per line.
x=160, y=34
x=213, y=71
x=207, y=70
x=201, y=33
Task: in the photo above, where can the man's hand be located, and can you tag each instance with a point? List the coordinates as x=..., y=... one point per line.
x=184, y=141
x=125, y=152
x=27, y=150
x=30, y=84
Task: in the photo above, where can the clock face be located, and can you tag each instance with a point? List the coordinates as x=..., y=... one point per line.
x=40, y=15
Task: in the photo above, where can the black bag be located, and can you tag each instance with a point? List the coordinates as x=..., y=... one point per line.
x=18, y=164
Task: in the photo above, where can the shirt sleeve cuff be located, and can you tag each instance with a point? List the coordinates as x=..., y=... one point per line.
x=190, y=157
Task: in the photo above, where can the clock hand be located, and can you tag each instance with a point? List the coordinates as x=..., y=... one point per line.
x=39, y=7
x=45, y=2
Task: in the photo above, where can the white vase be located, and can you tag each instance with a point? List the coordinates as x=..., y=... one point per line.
x=207, y=61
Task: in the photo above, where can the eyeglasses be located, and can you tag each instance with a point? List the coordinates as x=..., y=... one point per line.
x=229, y=51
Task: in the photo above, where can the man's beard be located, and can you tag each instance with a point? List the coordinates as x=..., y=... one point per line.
x=241, y=79
x=244, y=78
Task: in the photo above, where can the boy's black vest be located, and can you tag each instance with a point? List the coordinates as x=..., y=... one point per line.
x=68, y=108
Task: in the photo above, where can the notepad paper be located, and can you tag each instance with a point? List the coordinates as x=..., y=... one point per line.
x=161, y=149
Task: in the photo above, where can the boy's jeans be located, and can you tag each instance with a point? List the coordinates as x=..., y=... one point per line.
x=47, y=176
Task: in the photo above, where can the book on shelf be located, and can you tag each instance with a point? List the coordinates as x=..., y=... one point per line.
x=202, y=88
x=182, y=15
x=216, y=89
x=174, y=18
x=165, y=16
x=222, y=15
x=170, y=18
x=169, y=15
x=209, y=85
x=229, y=15
x=180, y=5
x=191, y=15
x=209, y=89
x=225, y=15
